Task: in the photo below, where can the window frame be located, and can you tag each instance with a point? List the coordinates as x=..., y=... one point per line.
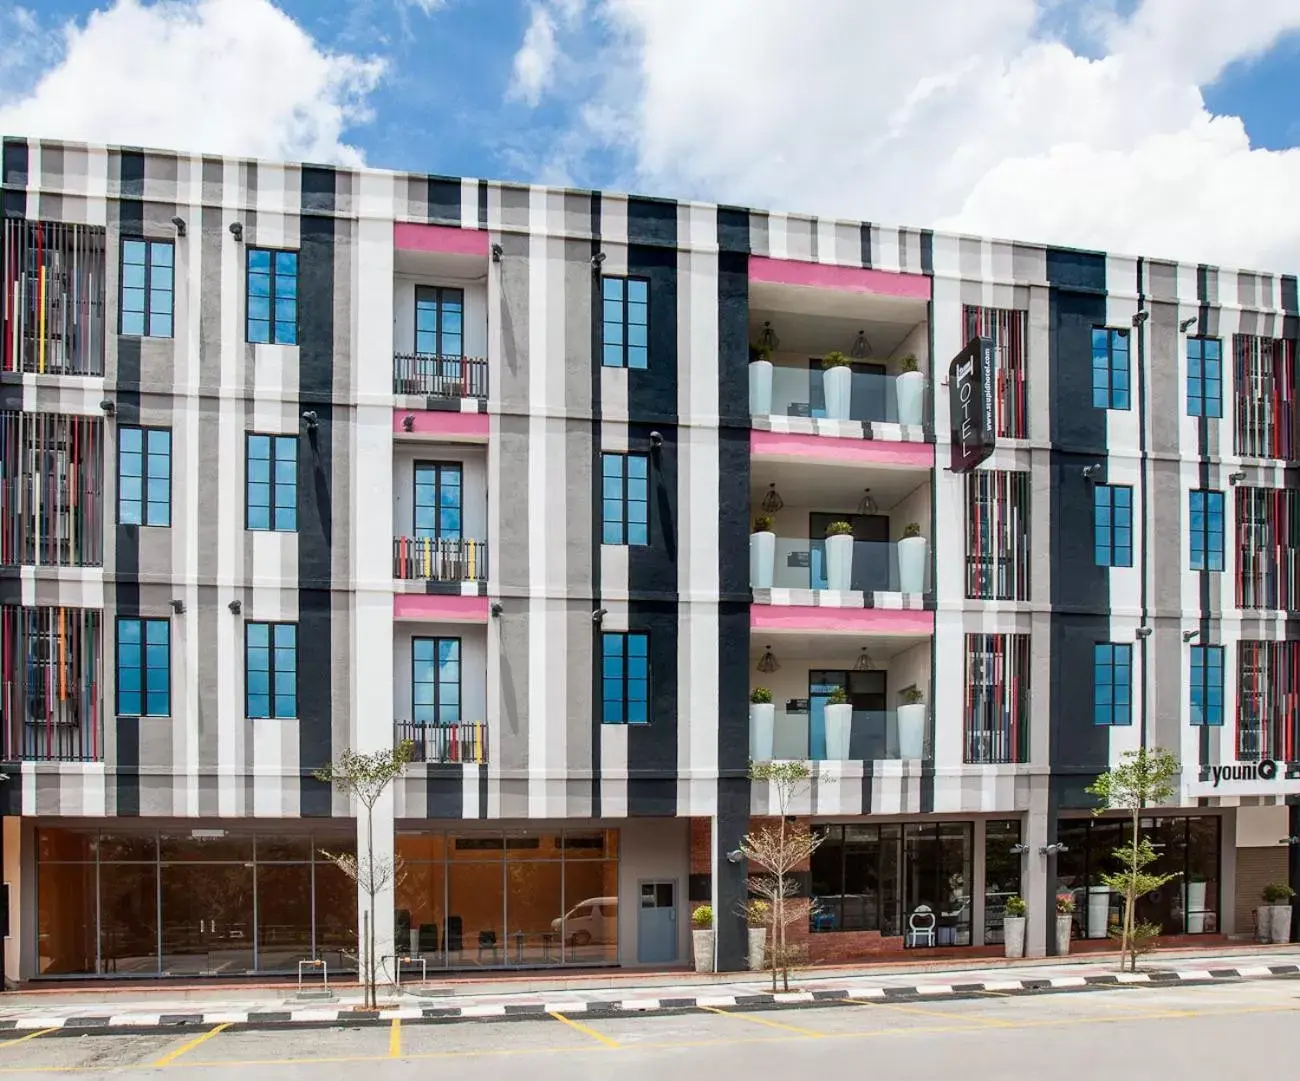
x=1106, y=658
x=272, y=484
x=439, y=293
x=438, y=467
x=1111, y=390
x=624, y=699
x=273, y=275
x=623, y=523
x=1196, y=377
x=437, y=683
x=1205, y=659
x=148, y=313
x=625, y=357
x=143, y=668
x=1209, y=555
x=145, y=456
x=272, y=647
x=1111, y=547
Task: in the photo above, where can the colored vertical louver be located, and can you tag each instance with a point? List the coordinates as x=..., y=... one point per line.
x=997, y=535
x=997, y=698
x=1268, y=700
x=1264, y=377
x=1006, y=326
x=1268, y=548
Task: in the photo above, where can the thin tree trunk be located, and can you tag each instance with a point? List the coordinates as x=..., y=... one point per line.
x=1131, y=900
x=372, y=995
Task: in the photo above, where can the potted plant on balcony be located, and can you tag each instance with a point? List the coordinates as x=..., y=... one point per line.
x=837, y=384
x=1064, y=921
x=760, y=380
x=1275, y=915
x=911, y=724
x=839, y=555
x=1013, y=927
x=912, y=551
x=910, y=389
x=702, y=938
x=758, y=914
x=762, y=724
x=839, y=724
x=762, y=552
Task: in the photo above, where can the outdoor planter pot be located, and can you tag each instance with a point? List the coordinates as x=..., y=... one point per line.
x=702, y=944
x=760, y=388
x=1195, y=908
x=911, y=564
x=837, y=386
x=1064, y=924
x=911, y=397
x=839, y=724
x=762, y=556
x=762, y=727
x=839, y=561
x=757, y=945
x=1279, y=923
x=911, y=730
x=1098, y=911
x=1013, y=935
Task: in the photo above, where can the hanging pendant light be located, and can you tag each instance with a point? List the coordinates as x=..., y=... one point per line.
x=861, y=346
x=864, y=663
x=867, y=505
x=768, y=662
x=767, y=338
x=771, y=501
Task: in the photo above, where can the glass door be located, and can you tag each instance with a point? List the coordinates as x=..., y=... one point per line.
x=207, y=918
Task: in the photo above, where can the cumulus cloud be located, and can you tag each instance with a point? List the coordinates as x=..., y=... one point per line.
x=534, y=63
x=220, y=76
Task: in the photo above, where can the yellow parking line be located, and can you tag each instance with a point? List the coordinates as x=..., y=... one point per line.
x=947, y=1015
x=172, y=1056
x=763, y=1021
x=395, y=1039
x=29, y=1036
x=586, y=1030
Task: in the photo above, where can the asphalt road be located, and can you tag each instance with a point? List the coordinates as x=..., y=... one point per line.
x=1203, y=1033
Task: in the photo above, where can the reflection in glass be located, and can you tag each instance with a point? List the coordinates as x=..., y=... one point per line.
x=206, y=845
x=336, y=916
x=1202, y=875
x=476, y=914
x=65, y=919
x=533, y=900
x=283, y=915
x=937, y=874
x=1001, y=874
x=64, y=844
x=128, y=847
x=128, y=918
x=419, y=923
x=589, y=927
x=207, y=918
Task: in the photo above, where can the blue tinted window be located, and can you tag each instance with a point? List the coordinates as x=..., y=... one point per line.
x=439, y=321
x=271, y=669
x=272, y=297
x=143, y=667
x=1112, y=506
x=435, y=680
x=1207, y=685
x=625, y=678
x=625, y=499
x=625, y=322
x=1110, y=368
x=438, y=503
x=1205, y=521
x=272, y=465
x=144, y=476
x=1112, y=684
x=1204, y=377
x=147, y=288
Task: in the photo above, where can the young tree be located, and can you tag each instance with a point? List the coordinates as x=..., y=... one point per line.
x=365, y=777
x=1142, y=778
x=779, y=850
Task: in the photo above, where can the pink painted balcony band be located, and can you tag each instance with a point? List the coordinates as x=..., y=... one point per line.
x=850, y=451
x=444, y=422
x=846, y=279
x=414, y=236
x=796, y=617
x=440, y=607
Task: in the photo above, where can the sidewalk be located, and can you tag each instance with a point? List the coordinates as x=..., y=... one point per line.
x=101, y=1008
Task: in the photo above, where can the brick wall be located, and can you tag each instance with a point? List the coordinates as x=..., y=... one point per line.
x=1256, y=868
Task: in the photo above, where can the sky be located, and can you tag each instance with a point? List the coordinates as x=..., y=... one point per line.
x=1168, y=128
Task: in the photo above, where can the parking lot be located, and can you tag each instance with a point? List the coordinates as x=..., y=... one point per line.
x=1194, y=1033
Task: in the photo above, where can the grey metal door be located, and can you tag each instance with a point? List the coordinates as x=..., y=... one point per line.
x=656, y=924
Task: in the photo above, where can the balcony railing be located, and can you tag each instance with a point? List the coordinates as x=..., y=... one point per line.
x=873, y=737
x=431, y=376
x=440, y=559
x=801, y=563
x=800, y=392
x=445, y=743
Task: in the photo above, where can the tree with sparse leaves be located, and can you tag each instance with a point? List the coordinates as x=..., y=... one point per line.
x=365, y=778
x=1143, y=778
x=780, y=850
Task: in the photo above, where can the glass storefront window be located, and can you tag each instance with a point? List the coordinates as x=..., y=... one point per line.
x=66, y=900
x=205, y=846
x=587, y=924
x=1002, y=869
x=128, y=918
x=283, y=914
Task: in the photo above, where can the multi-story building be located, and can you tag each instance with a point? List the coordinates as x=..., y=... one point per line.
x=298, y=459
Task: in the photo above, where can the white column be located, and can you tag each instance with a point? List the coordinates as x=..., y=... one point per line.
x=1034, y=877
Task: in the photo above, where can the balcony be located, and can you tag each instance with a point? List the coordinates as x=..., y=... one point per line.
x=440, y=378
x=820, y=735
x=440, y=691
x=439, y=559
x=440, y=327
x=439, y=512
x=444, y=744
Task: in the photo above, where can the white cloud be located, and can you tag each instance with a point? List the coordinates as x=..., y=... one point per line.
x=958, y=115
x=220, y=76
x=534, y=64
x=427, y=6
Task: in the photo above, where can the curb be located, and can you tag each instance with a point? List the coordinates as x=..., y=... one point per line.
x=140, y=1023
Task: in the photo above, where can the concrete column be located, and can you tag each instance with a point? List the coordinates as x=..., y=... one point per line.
x=384, y=899
x=977, y=886
x=730, y=880
x=1293, y=864
x=1038, y=878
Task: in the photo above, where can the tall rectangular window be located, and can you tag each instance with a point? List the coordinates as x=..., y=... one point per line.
x=997, y=698
x=1007, y=328
x=625, y=678
x=1268, y=700
x=1112, y=684
x=272, y=482
x=1207, y=685
x=997, y=535
x=144, y=476
x=439, y=321
x=1205, y=522
x=144, y=667
x=1112, y=508
x=1267, y=545
x=147, y=288
x=1110, y=368
x=271, y=669
x=435, y=680
x=272, y=297
x=625, y=503
x=1204, y=377
x=438, y=498
x=625, y=322
x=1264, y=371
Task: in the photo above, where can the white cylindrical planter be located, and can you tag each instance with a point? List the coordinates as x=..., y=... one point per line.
x=762, y=556
x=911, y=731
x=1013, y=935
x=839, y=723
x=760, y=388
x=1279, y=924
x=1098, y=911
x=1064, y=922
x=702, y=944
x=911, y=564
x=1263, y=923
x=839, y=561
x=911, y=397
x=762, y=727
x=1195, y=908
x=837, y=386
x=757, y=943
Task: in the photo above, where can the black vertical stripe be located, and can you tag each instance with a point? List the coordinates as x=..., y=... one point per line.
x=864, y=243
x=444, y=200
x=13, y=203
x=315, y=497
x=444, y=788
x=927, y=252
x=13, y=178
x=1140, y=332
x=596, y=728
x=482, y=204
x=1203, y=482
x=1291, y=469
x=930, y=601
x=128, y=767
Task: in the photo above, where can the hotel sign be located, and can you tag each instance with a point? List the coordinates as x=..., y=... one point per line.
x=1265, y=777
x=1263, y=770
x=971, y=404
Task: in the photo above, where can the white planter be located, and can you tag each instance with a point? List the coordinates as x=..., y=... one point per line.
x=757, y=945
x=837, y=386
x=1279, y=924
x=1013, y=935
x=1064, y=923
x=911, y=397
x=762, y=728
x=1195, y=907
x=760, y=388
x=911, y=731
x=839, y=723
x=839, y=561
x=762, y=557
x=1098, y=911
x=702, y=944
x=911, y=564
x=1264, y=923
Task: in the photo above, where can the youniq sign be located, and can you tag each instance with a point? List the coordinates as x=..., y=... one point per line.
x=970, y=405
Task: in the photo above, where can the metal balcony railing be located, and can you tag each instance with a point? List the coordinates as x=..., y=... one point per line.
x=445, y=742
x=440, y=559
x=431, y=376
